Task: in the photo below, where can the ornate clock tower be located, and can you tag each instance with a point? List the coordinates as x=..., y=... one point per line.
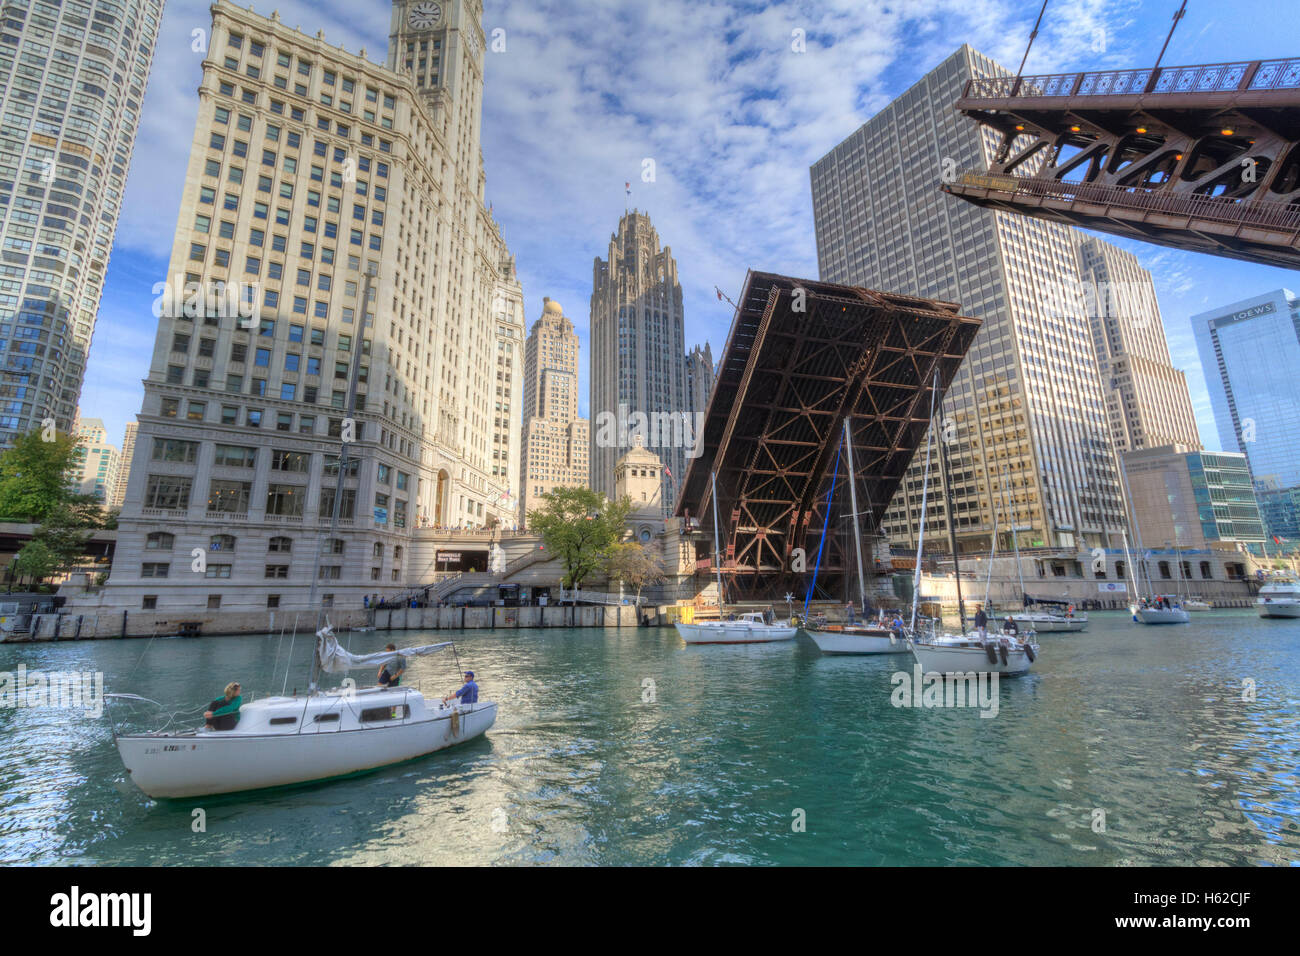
x=437, y=43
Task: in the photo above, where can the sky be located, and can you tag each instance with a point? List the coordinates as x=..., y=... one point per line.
x=712, y=110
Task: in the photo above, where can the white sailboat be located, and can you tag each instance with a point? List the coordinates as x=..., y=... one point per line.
x=1152, y=610
x=283, y=741
x=754, y=627
x=961, y=653
x=853, y=637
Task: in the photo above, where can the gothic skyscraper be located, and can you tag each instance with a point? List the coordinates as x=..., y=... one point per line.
x=638, y=356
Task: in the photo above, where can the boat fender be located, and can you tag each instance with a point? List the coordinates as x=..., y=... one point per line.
x=1029, y=652
x=1002, y=652
x=454, y=729
x=992, y=655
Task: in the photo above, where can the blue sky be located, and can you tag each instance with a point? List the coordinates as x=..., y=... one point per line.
x=585, y=92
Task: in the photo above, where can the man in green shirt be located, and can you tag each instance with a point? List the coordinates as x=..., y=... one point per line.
x=223, y=713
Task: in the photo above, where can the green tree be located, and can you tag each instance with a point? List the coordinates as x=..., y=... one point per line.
x=35, y=476
x=580, y=527
x=35, y=561
x=635, y=565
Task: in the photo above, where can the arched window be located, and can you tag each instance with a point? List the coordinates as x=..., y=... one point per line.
x=159, y=541
x=1206, y=573
x=1120, y=570
x=1164, y=570
x=222, y=542
x=280, y=545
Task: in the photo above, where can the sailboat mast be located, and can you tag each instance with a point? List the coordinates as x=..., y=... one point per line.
x=717, y=554
x=993, y=550
x=857, y=527
x=1015, y=542
x=925, y=488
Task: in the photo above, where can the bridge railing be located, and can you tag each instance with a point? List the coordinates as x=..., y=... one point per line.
x=1269, y=215
x=1253, y=75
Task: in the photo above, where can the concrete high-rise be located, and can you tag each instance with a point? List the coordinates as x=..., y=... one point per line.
x=118, y=492
x=96, y=462
x=72, y=80
x=1027, y=401
x=555, y=439
x=1147, y=401
x=638, y=356
x=311, y=169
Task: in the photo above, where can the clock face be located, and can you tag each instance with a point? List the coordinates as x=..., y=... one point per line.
x=424, y=15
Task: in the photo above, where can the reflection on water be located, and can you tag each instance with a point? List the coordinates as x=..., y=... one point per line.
x=1127, y=745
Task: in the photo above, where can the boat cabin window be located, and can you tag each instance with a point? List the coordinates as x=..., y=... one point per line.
x=280, y=721
x=327, y=718
x=385, y=713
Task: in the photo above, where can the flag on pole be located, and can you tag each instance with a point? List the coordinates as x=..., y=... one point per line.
x=668, y=471
x=628, y=187
x=1278, y=540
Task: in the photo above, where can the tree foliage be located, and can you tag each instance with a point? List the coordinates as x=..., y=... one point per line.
x=35, y=476
x=635, y=565
x=35, y=561
x=580, y=527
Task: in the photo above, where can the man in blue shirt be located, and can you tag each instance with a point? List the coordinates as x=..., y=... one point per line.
x=467, y=694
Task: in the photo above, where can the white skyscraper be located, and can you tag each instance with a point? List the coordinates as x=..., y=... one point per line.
x=310, y=168
x=72, y=79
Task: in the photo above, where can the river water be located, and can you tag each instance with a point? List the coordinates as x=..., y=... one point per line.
x=1127, y=745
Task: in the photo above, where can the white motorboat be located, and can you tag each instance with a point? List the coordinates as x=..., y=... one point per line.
x=854, y=639
x=750, y=628
x=282, y=741
x=966, y=653
x=1196, y=604
x=1279, y=599
x=1161, y=615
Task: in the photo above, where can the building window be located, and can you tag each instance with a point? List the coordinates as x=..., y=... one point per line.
x=214, y=602
x=159, y=541
x=229, y=497
x=167, y=492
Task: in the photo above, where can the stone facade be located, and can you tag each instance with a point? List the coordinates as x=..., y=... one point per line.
x=311, y=170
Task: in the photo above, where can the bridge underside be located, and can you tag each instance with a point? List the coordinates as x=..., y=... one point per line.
x=1204, y=158
x=802, y=357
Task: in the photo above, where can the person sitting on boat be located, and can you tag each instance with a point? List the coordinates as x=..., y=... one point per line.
x=982, y=624
x=390, y=675
x=223, y=713
x=467, y=694
x=1010, y=627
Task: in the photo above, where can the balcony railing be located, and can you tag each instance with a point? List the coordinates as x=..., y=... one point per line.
x=1254, y=212
x=1253, y=75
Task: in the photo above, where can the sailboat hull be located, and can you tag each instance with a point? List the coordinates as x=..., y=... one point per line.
x=1154, y=615
x=734, y=632
x=850, y=640
x=962, y=656
x=205, y=763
